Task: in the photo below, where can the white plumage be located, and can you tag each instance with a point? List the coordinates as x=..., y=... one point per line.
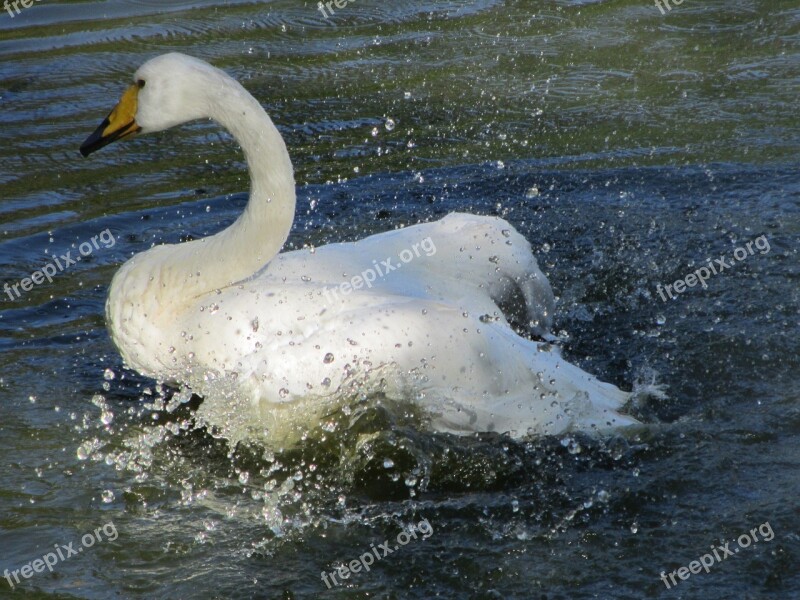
x=274, y=341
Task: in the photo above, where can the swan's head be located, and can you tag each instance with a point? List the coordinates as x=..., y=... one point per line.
x=167, y=91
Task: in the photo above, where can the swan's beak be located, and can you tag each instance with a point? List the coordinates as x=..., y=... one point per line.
x=118, y=125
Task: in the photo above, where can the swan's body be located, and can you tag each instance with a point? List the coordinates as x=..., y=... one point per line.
x=272, y=340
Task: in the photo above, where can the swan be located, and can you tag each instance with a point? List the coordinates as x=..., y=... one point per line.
x=421, y=316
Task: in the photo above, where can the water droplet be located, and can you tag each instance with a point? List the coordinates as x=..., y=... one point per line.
x=661, y=319
x=389, y=124
x=107, y=496
x=388, y=463
x=86, y=449
x=283, y=392
x=109, y=375
x=328, y=358
x=532, y=192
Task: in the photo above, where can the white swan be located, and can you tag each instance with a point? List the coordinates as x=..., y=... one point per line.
x=274, y=341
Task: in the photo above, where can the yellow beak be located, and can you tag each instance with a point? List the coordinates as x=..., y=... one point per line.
x=119, y=124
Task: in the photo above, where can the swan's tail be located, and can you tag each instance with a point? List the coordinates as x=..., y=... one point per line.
x=572, y=399
x=558, y=397
x=588, y=403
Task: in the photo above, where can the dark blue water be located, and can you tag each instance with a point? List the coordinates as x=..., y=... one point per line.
x=628, y=147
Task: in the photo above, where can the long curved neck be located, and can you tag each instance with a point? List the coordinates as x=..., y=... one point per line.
x=261, y=230
x=192, y=269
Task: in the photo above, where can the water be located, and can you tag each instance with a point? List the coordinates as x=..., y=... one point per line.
x=627, y=145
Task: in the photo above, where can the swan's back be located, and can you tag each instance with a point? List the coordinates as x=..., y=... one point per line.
x=431, y=330
x=477, y=264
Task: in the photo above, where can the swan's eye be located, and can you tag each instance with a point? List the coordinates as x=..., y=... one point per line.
x=140, y=83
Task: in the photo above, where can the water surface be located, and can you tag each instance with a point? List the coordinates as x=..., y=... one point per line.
x=628, y=146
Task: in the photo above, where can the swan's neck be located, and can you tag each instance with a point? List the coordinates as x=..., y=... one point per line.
x=151, y=292
x=261, y=230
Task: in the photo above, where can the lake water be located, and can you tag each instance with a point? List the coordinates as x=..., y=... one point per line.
x=629, y=146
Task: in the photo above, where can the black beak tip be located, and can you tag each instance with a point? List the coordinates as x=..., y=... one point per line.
x=95, y=141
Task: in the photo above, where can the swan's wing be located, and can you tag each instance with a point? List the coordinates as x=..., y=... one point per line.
x=479, y=264
x=470, y=375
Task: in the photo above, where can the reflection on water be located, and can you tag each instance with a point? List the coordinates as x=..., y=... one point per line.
x=628, y=146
